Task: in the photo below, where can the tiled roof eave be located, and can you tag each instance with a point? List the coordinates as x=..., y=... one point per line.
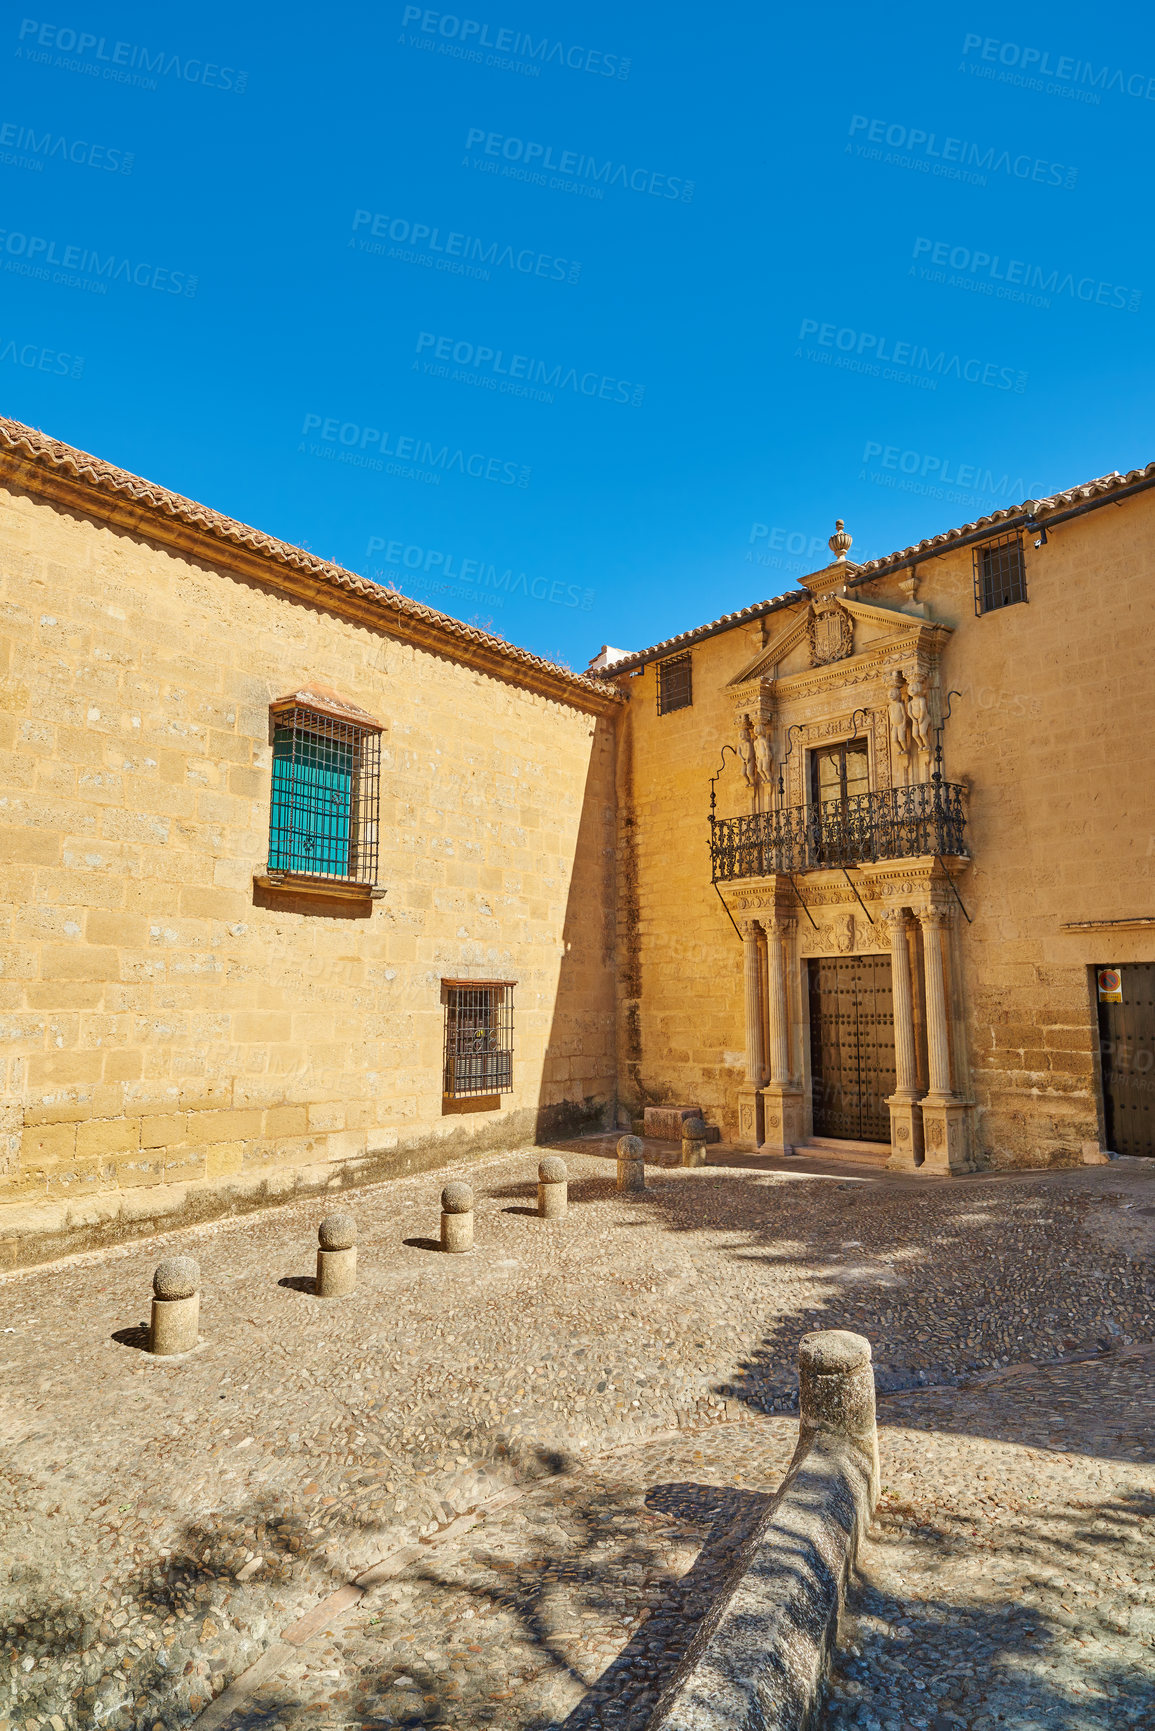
x=48, y=468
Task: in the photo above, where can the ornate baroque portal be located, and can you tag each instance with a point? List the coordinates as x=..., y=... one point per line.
x=843, y=839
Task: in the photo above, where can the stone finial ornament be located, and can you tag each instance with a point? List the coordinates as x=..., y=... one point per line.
x=840, y=542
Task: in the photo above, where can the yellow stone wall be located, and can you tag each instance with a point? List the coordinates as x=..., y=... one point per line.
x=165, y=1024
x=1051, y=733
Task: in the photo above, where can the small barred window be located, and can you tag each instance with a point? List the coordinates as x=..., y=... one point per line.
x=323, y=817
x=675, y=687
x=1000, y=574
x=478, y=1037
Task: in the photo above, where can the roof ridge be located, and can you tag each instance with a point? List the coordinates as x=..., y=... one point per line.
x=46, y=452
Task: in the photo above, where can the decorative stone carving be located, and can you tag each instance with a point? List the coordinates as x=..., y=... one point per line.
x=831, y=633
x=918, y=710
x=764, y=752
x=843, y=927
x=746, y=753
x=899, y=721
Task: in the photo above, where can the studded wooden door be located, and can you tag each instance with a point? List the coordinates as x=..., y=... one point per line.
x=851, y=1046
x=1127, y=1049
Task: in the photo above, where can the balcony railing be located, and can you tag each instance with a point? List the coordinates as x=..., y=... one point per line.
x=897, y=823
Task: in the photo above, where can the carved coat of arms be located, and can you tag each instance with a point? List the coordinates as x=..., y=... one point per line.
x=831, y=633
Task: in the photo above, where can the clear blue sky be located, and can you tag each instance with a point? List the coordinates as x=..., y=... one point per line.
x=893, y=265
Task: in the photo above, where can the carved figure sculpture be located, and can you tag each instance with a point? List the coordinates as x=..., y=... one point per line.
x=764, y=752
x=899, y=719
x=919, y=712
x=746, y=752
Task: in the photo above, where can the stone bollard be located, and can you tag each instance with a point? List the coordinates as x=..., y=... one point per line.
x=457, y=1218
x=337, y=1256
x=176, y=1306
x=552, y=1188
x=836, y=1393
x=631, y=1163
x=693, y=1142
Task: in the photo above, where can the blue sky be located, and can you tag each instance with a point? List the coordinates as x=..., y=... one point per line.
x=583, y=323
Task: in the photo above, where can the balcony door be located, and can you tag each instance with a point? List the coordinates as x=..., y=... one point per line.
x=838, y=775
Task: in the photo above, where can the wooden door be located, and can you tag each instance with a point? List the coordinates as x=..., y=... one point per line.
x=1127, y=1049
x=851, y=1046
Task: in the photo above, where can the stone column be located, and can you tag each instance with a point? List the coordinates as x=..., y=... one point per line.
x=905, y=1117
x=937, y=1034
x=781, y=1097
x=752, y=978
x=778, y=1018
x=945, y=1118
x=750, y=1095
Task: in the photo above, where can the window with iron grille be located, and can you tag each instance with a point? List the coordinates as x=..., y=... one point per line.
x=323, y=816
x=675, y=690
x=1000, y=574
x=478, y=1037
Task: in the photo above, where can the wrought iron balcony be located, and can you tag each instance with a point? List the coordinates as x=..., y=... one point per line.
x=897, y=823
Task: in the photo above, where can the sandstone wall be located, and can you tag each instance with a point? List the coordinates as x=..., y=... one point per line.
x=1051, y=734
x=165, y=1024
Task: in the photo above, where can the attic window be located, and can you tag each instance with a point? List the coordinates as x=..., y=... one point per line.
x=1000, y=574
x=675, y=686
x=323, y=814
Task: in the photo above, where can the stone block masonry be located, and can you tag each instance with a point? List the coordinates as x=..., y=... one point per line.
x=179, y=1042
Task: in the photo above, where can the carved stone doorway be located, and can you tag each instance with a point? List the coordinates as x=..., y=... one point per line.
x=851, y=1046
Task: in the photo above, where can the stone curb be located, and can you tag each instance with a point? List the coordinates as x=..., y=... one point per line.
x=761, y=1655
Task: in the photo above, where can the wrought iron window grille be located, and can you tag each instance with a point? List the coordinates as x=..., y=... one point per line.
x=324, y=809
x=1000, y=574
x=478, y=1055
x=675, y=684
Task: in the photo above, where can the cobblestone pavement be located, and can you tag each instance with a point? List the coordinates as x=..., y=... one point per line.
x=623, y=1380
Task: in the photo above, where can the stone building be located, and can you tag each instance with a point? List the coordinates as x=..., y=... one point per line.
x=306, y=883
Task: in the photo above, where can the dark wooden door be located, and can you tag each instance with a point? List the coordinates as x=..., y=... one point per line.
x=851, y=1046
x=1127, y=1048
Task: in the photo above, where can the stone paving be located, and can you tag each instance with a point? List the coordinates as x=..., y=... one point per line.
x=556, y=1439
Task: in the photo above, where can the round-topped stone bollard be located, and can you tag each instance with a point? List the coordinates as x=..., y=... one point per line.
x=457, y=1218
x=836, y=1391
x=176, y=1306
x=631, y=1163
x=693, y=1142
x=336, y=1256
x=552, y=1188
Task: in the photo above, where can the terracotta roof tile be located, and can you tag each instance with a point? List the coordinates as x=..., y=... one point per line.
x=54, y=456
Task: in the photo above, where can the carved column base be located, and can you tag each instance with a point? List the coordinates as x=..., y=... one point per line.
x=783, y=1123
x=750, y=1117
x=946, y=1135
x=905, y=1133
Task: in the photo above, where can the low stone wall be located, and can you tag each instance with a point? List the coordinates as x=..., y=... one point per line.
x=759, y=1660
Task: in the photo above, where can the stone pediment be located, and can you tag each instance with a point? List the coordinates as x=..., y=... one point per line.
x=835, y=629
